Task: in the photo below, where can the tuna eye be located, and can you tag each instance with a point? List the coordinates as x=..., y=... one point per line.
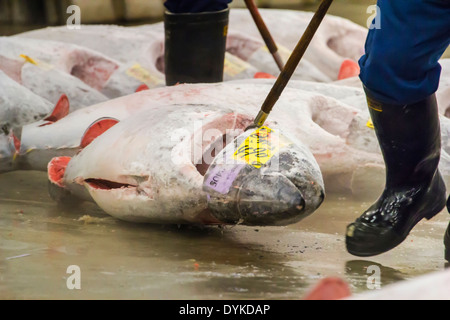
x=5, y=129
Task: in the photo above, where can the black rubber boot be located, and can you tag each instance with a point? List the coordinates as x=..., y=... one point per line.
x=195, y=46
x=409, y=137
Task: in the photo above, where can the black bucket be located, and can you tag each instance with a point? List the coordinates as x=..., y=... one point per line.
x=195, y=46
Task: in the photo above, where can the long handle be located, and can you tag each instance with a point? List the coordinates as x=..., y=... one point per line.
x=292, y=63
x=267, y=37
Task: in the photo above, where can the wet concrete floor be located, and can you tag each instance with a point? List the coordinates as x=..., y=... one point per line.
x=119, y=260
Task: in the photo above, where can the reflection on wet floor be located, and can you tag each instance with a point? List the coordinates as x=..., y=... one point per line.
x=39, y=240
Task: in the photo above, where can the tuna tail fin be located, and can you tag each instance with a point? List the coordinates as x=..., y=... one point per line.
x=96, y=129
x=60, y=110
x=142, y=87
x=349, y=69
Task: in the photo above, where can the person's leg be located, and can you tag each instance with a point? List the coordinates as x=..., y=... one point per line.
x=195, y=40
x=401, y=61
x=400, y=72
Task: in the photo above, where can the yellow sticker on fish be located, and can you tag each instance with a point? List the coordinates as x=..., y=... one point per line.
x=260, y=146
x=234, y=66
x=40, y=64
x=140, y=73
x=369, y=124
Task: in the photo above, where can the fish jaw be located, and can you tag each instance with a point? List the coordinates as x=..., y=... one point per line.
x=283, y=191
x=143, y=203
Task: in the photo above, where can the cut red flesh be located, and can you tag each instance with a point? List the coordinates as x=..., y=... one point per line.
x=56, y=169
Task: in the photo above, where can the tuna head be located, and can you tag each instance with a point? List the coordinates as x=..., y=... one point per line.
x=263, y=178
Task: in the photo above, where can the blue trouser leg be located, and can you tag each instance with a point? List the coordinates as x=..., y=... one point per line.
x=401, y=61
x=196, y=6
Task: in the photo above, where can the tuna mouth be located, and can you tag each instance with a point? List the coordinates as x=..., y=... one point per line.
x=101, y=184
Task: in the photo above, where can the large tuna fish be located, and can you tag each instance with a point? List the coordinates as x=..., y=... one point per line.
x=253, y=53
x=336, y=40
x=141, y=54
x=50, y=68
x=150, y=167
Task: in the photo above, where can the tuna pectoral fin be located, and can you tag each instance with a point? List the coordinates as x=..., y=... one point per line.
x=61, y=110
x=349, y=69
x=96, y=129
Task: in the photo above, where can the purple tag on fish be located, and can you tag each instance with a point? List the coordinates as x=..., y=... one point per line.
x=220, y=178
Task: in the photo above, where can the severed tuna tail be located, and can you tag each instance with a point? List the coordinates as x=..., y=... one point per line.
x=56, y=189
x=56, y=169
